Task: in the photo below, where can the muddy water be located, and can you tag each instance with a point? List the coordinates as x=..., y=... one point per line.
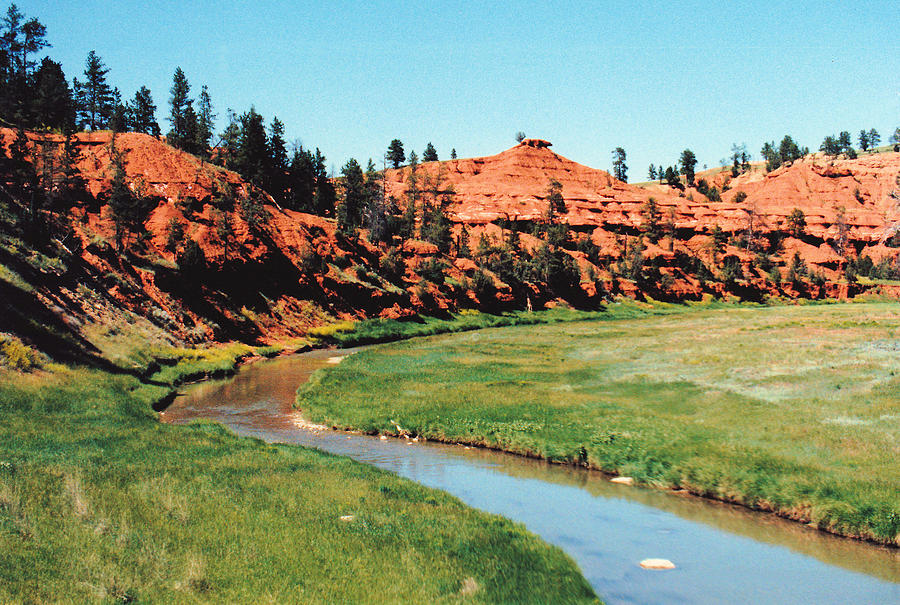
x=723, y=554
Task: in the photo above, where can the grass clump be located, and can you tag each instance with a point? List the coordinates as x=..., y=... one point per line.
x=789, y=409
x=101, y=502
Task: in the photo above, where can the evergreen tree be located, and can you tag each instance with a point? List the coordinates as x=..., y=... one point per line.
x=182, y=117
x=189, y=142
x=864, y=140
x=253, y=149
x=831, y=146
x=302, y=181
x=555, y=199
x=672, y=179
x=230, y=141
x=20, y=39
x=788, y=151
x=121, y=200
x=874, y=138
x=120, y=120
x=53, y=106
x=651, y=220
x=845, y=142
x=143, y=113
x=797, y=222
x=225, y=232
x=277, y=162
x=350, y=210
x=95, y=100
x=326, y=196
x=687, y=162
x=430, y=154
x=205, y=121
x=771, y=156
x=395, y=153
x=620, y=170
x=651, y=173
x=453, y=153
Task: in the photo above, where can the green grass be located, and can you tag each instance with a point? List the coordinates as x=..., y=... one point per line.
x=351, y=334
x=101, y=502
x=792, y=409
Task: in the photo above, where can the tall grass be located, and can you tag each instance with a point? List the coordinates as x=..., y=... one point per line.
x=101, y=502
x=788, y=409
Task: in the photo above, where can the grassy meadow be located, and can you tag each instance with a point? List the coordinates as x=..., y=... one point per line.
x=99, y=502
x=793, y=409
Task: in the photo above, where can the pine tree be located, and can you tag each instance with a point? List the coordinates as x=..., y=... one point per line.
x=874, y=138
x=771, y=156
x=688, y=161
x=143, y=113
x=864, y=140
x=349, y=212
x=326, y=196
x=395, y=153
x=52, y=105
x=94, y=98
x=253, y=149
x=179, y=102
x=453, y=153
x=302, y=180
x=225, y=232
x=620, y=170
x=121, y=201
x=430, y=154
x=20, y=38
x=277, y=161
x=651, y=173
x=205, y=121
x=788, y=151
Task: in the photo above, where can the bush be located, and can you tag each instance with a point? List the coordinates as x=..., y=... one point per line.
x=432, y=269
x=391, y=263
x=16, y=355
x=192, y=261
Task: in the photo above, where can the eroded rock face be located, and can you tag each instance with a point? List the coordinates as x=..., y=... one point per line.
x=853, y=200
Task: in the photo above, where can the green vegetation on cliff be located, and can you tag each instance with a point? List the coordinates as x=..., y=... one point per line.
x=789, y=409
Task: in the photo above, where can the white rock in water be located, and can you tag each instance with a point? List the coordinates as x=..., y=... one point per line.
x=335, y=359
x=657, y=564
x=622, y=480
x=383, y=437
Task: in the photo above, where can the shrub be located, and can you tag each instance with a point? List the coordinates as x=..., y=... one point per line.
x=391, y=263
x=16, y=355
x=432, y=269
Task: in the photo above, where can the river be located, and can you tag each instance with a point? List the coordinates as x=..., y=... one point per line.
x=723, y=553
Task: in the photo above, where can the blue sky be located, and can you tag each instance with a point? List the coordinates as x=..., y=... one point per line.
x=653, y=78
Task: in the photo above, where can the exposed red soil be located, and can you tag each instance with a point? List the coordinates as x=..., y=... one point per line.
x=293, y=271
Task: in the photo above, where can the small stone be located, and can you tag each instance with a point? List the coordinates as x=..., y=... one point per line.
x=335, y=359
x=657, y=564
x=347, y=518
x=622, y=480
x=383, y=437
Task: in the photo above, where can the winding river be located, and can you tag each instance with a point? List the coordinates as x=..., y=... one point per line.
x=722, y=553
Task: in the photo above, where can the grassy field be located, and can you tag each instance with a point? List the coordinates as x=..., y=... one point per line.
x=99, y=502
x=791, y=408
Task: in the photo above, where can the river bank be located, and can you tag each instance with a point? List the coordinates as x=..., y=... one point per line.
x=101, y=501
x=720, y=550
x=699, y=402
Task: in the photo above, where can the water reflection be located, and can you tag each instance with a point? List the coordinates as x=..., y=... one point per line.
x=723, y=553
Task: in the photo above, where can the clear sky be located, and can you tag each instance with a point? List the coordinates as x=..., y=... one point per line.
x=651, y=77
